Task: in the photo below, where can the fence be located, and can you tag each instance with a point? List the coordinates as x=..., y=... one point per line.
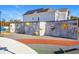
x=66, y=29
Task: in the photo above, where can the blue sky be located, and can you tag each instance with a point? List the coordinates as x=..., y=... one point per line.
x=16, y=11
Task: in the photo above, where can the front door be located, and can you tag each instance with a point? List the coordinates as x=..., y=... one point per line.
x=42, y=28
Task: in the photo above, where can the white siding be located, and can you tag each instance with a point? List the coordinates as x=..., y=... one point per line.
x=42, y=28
x=12, y=28
x=61, y=15
x=43, y=16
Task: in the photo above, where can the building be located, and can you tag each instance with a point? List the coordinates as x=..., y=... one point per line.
x=19, y=27
x=12, y=27
x=46, y=15
x=4, y=27
x=16, y=26
x=49, y=22
x=65, y=29
x=7, y=27
x=62, y=14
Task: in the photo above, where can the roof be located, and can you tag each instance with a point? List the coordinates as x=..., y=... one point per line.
x=4, y=23
x=42, y=10
x=63, y=9
x=36, y=10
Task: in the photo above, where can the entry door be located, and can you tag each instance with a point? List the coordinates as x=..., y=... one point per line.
x=42, y=28
x=12, y=28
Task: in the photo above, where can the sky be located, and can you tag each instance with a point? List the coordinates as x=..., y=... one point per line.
x=16, y=11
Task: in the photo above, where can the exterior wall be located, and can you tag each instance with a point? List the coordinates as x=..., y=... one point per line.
x=29, y=18
x=44, y=16
x=52, y=28
x=50, y=15
x=56, y=29
x=20, y=28
x=55, y=24
x=42, y=28
x=35, y=20
x=34, y=27
x=12, y=27
x=47, y=16
x=4, y=27
x=61, y=15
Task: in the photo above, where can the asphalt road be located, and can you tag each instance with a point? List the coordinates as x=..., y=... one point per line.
x=50, y=49
x=43, y=48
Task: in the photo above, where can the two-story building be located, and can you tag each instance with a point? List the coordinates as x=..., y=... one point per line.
x=38, y=19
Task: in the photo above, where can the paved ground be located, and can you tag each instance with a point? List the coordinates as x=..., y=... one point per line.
x=10, y=46
x=56, y=41
x=42, y=48
x=50, y=49
x=24, y=36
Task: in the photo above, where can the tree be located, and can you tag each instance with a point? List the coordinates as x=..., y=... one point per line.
x=73, y=18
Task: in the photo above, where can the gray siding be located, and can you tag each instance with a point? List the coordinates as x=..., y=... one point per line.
x=45, y=16
x=34, y=27
x=57, y=31
x=20, y=28
x=54, y=29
